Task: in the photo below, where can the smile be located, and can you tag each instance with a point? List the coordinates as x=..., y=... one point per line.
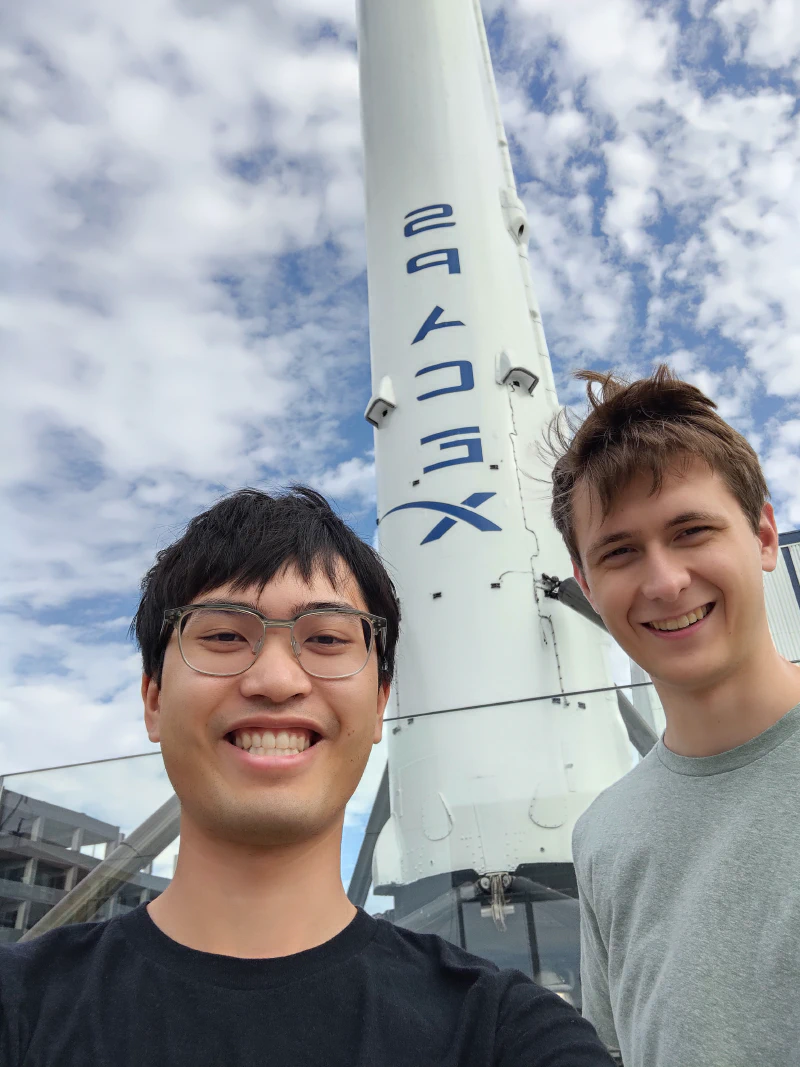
x=681, y=622
x=273, y=744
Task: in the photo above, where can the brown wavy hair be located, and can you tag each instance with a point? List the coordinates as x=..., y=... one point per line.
x=654, y=425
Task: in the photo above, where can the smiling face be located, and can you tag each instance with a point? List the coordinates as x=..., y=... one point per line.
x=677, y=576
x=270, y=756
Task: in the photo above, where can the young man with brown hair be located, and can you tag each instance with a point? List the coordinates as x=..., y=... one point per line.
x=688, y=867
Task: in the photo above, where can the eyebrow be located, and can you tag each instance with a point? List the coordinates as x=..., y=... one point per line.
x=324, y=605
x=678, y=520
x=298, y=609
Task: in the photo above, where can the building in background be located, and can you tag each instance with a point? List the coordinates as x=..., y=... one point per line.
x=45, y=850
x=782, y=591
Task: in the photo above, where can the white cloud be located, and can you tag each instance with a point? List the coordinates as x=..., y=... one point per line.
x=690, y=233
x=633, y=204
x=762, y=33
x=186, y=225
x=352, y=478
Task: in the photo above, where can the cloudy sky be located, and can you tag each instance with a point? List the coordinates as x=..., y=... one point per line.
x=185, y=293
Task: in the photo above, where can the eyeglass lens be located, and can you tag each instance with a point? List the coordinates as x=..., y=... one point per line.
x=223, y=641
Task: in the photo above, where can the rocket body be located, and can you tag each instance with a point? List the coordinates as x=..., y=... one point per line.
x=483, y=778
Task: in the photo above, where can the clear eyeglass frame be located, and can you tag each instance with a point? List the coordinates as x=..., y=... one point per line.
x=377, y=630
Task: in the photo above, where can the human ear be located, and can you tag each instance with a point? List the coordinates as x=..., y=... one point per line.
x=151, y=698
x=383, y=695
x=577, y=572
x=768, y=536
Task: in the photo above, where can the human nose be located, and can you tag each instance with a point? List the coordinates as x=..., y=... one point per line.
x=665, y=578
x=276, y=673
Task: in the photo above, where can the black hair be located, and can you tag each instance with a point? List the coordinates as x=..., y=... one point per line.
x=245, y=539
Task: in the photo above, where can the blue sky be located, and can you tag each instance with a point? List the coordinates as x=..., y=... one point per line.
x=185, y=299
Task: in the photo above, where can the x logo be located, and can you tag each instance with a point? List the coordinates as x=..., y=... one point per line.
x=463, y=511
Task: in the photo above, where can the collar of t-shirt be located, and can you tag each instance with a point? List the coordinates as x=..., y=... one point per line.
x=145, y=937
x=734, y=758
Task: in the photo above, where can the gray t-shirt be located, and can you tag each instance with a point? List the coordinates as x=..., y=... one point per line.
x=689, y=878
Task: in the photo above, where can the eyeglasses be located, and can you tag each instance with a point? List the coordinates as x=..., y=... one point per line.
x=226, y=639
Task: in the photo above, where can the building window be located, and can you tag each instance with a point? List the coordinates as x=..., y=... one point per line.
x=8, y=917
x=12, y=870
x=50, y=876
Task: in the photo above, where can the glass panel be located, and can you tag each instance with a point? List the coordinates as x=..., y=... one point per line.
x=113, y=795
x=57, y=825
x=556, y=925
x=440, y=916
x=507, y=948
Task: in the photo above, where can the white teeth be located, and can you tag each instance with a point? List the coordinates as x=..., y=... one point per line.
x=269, y=743
x=682, y=622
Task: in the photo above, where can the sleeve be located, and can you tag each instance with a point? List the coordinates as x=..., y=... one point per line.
x=594, y=960
x=539, y=1029
x=10, y=1055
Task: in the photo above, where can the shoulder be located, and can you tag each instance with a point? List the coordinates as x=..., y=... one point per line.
x=38, y=980
x=56, y=955
x=503, y=1011
x=612, y=814
x=437, y=962
x=509, y=990
x=428, y=951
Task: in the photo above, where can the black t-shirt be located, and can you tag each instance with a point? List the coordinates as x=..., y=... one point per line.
x=123, y=994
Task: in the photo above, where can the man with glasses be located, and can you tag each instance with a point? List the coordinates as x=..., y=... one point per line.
x=268, y=636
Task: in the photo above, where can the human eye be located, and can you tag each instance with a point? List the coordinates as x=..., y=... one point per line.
x=327, y=634
x=692, y=531
x=221, y=631
x=327, y=639
x=223, y=637
x=616, y=554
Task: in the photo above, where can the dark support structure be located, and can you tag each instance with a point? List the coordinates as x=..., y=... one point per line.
x=568, y=592
x=362, y=874
x=640, y=735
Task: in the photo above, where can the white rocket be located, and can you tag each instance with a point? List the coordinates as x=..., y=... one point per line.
x=483, y=780
x=492, y=755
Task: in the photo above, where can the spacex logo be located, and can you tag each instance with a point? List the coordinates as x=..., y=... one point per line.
x=463, y=512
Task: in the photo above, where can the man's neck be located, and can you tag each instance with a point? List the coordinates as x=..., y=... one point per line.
x=734, y=710
x=241, y=901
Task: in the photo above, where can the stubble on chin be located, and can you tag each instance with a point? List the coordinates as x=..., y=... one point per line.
x=260, y=822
